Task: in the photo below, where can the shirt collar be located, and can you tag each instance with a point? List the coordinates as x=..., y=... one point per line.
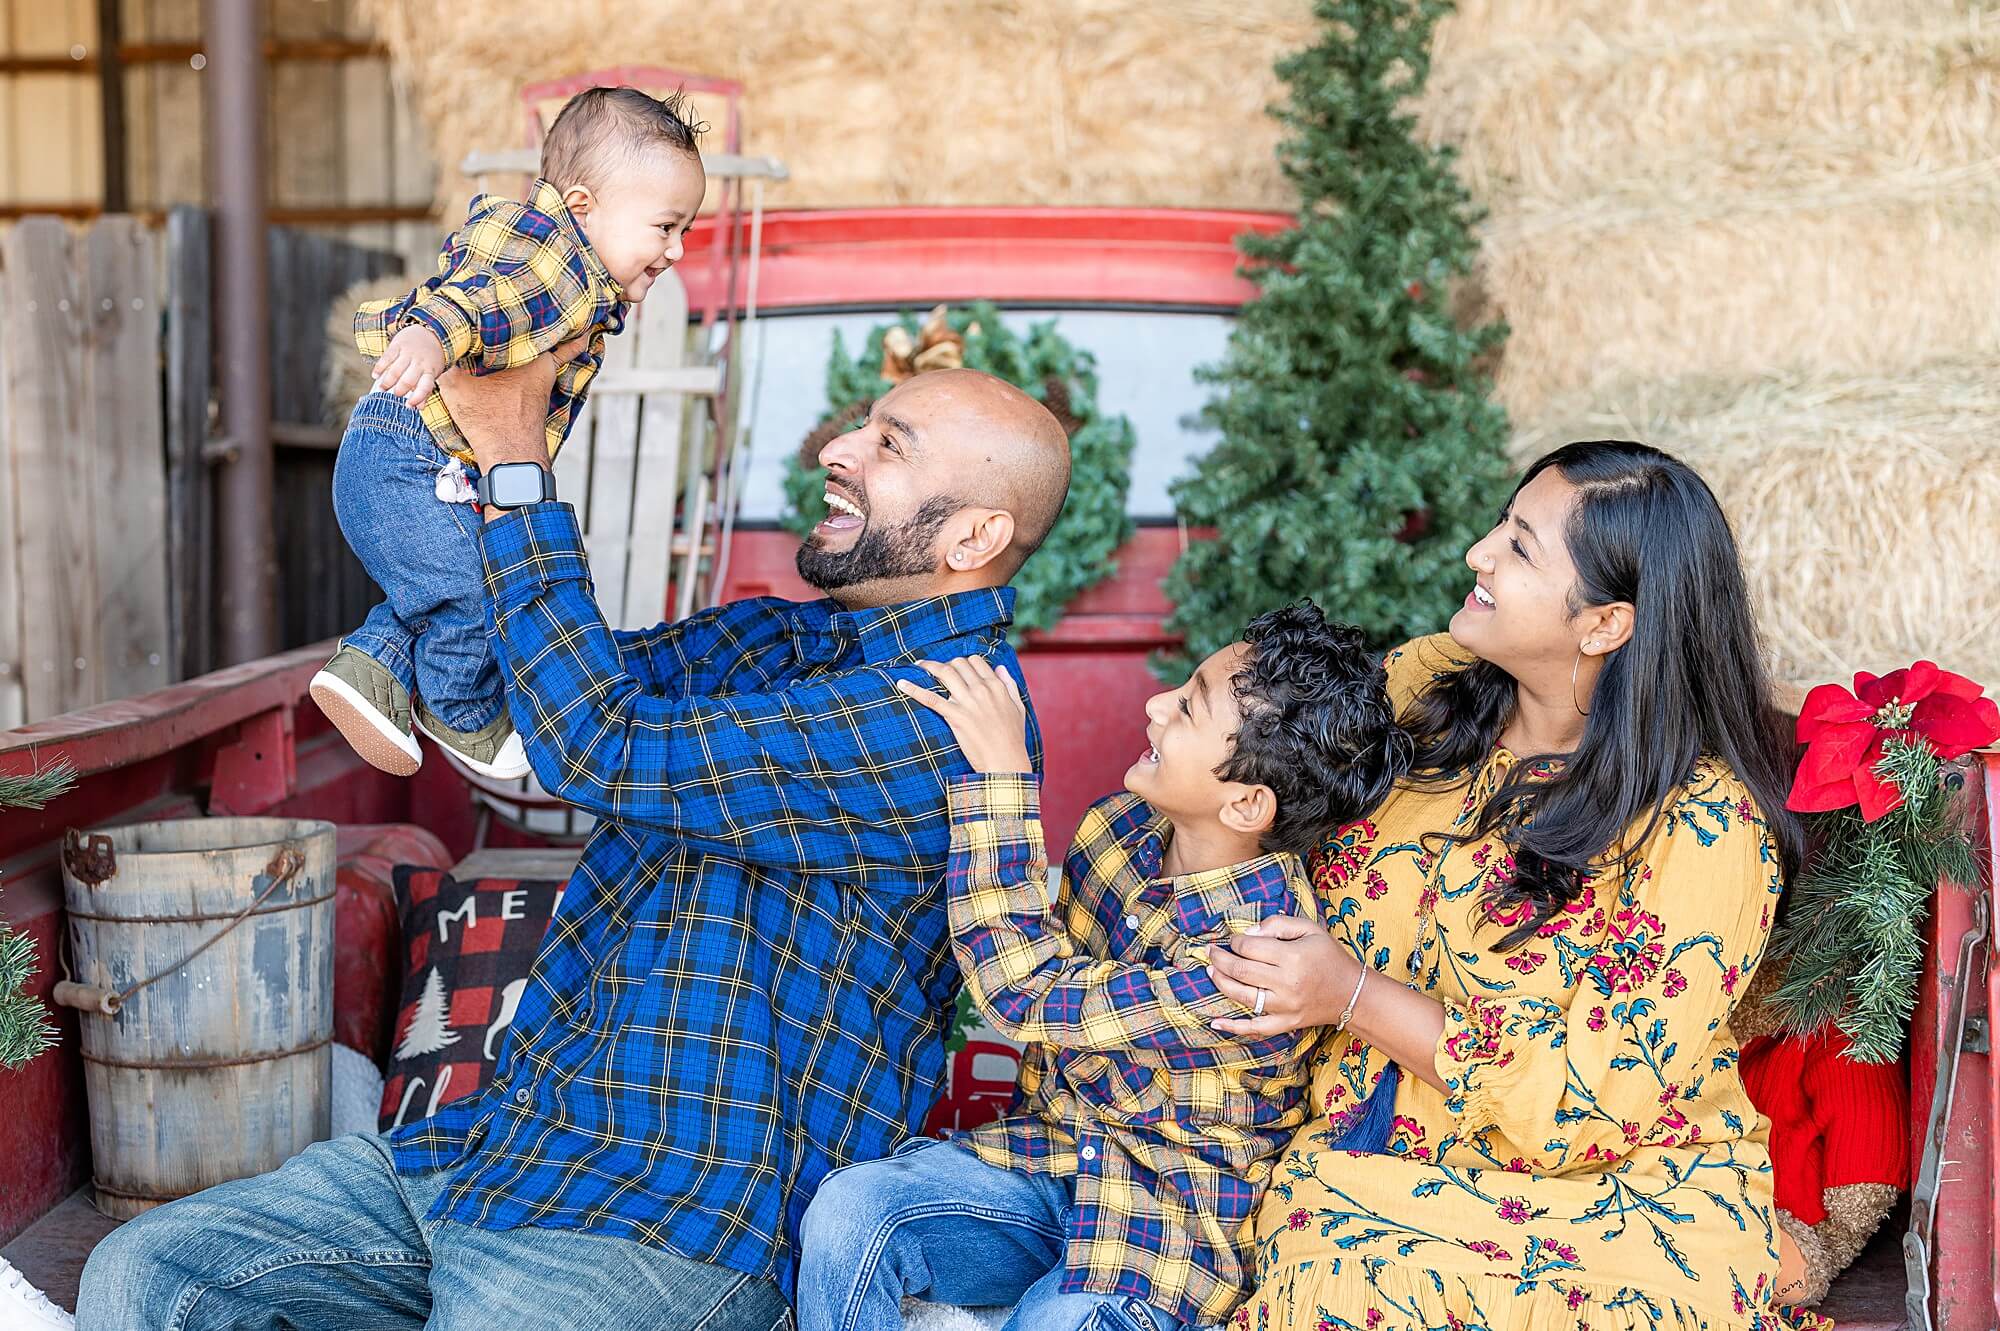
x=1204, y=900
x=546, y=198
x=906, y=630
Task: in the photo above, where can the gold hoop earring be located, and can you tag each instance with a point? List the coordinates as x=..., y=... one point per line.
x=1572, y=683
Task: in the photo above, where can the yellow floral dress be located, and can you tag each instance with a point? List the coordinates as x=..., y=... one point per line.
x=1596, y=1163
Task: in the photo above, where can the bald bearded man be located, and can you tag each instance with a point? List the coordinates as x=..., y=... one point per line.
x=749, y=981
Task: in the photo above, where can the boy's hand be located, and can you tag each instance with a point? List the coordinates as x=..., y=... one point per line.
x=411, y=366
x=983, y=707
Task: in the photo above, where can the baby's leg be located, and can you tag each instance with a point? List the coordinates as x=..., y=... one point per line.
x=933, y=1222
x=424, y=555
x=1047, y=1308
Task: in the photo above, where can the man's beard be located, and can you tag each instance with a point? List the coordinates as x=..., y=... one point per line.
x=908, y=550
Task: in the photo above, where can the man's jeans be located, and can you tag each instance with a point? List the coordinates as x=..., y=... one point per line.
x=430, y=630
x=936, y=1222
x=336, y=1239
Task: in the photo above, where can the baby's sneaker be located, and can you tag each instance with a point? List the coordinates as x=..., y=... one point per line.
x=494, y=750
x=25, y=1308
x=371, y=709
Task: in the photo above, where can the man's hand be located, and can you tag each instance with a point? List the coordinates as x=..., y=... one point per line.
x=504, y=415
x=983, y=707
x=412, y=364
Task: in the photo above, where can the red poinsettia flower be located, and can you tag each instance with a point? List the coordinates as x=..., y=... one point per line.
x=1844, y=731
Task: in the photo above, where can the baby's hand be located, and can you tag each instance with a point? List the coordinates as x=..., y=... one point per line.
x=983, y=707
x=411, y=366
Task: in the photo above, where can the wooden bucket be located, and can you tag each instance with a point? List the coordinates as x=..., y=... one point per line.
x=203, y=958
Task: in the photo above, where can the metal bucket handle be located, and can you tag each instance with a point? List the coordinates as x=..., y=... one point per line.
x=91, y=998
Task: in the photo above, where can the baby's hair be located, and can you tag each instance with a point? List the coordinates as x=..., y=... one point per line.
x=1318, y=727
x=601, y=130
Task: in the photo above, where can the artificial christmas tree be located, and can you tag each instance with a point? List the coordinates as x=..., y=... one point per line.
x=1360, y=452
x=24, y=1024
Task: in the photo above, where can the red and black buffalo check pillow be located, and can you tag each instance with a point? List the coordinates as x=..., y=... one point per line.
x=467, y=948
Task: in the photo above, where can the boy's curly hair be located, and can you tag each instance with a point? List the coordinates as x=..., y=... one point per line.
x=600, y=130
x=1317, y=725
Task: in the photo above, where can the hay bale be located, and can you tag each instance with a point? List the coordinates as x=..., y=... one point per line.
x=1798, y=106
x=348, y=373
x=1114, y=102
x=1863, y=506
x=1478, y=28
x=1897, y=273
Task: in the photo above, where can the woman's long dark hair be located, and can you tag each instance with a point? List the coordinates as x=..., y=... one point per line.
x=1644, y=528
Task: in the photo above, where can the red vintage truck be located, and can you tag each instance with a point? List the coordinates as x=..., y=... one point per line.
x=1150, y=292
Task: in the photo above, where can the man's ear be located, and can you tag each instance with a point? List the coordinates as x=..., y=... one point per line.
x=983, y=535
x=1248, y=810
x=579, y=200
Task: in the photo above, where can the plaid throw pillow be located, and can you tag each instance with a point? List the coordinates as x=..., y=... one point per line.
x=467, y=949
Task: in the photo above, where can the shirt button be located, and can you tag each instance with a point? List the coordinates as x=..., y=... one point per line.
x=1131, y=921
x=1088, y=1153
x=521, y=1096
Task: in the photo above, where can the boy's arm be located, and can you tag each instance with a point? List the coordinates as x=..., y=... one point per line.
x=1023, y=966
x=505, y=296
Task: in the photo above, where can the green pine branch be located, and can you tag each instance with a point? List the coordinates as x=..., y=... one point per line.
x=25, y=1029
x=1852, y=942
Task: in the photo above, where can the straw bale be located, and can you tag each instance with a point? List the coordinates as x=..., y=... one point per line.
x=1478, y=28
x=1795, y=106
x=1864, y=506
x=1109, y=102
x=1880, y=277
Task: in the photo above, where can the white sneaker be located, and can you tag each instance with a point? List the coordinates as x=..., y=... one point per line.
x=25, y=1308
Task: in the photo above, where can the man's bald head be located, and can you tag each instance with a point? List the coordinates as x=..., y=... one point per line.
x=953, y=481
x=1014, y=445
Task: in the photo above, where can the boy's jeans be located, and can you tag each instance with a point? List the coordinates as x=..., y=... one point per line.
x=430, y=631
x=936, y=1222
x=336, y=1240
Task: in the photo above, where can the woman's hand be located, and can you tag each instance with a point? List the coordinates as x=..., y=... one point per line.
x=1305, y=976
x=983, y=707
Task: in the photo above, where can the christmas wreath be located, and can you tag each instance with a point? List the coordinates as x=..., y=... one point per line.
x=1077, y=554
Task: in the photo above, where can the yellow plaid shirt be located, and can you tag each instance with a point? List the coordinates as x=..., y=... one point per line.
x=1167, y=1127
x=518, y=279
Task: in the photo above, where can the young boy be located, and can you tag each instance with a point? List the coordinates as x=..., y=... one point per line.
x=621, y=181
x=1116, y=1195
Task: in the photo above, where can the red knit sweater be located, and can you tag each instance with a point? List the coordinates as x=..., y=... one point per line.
x=1833, y=1121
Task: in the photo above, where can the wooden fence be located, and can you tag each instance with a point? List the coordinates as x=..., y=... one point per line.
x=106, y=467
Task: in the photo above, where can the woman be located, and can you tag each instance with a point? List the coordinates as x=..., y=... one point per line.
x=1534, y=946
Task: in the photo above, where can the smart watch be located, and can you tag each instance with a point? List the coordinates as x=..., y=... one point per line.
x=516, y=485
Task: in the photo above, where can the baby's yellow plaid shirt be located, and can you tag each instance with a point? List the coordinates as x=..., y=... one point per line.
x=518, y=279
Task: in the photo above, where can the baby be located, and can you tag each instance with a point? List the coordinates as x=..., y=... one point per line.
x=621, y=181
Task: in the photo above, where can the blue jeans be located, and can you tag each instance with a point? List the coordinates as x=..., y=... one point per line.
x=336, y=1239
x=430, y=630
x=936, y=1222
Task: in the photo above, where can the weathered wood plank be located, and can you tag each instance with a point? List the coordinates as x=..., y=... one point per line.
x=13, y=700
x=128, y=487
x=190, y=375
x=607, y=528
x=663, y=338
x=43, y=400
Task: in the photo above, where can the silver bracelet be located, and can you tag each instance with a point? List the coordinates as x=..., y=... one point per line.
x=1347, y=1014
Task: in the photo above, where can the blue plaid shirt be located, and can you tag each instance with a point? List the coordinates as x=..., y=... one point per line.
x=750, y=978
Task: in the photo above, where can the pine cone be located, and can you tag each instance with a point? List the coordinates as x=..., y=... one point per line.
x=827, y=430
x=1055, y=396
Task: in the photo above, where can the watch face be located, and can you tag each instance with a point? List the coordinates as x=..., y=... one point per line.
x=512, y=484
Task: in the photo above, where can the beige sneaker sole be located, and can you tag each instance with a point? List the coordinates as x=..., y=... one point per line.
x=366, y=730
